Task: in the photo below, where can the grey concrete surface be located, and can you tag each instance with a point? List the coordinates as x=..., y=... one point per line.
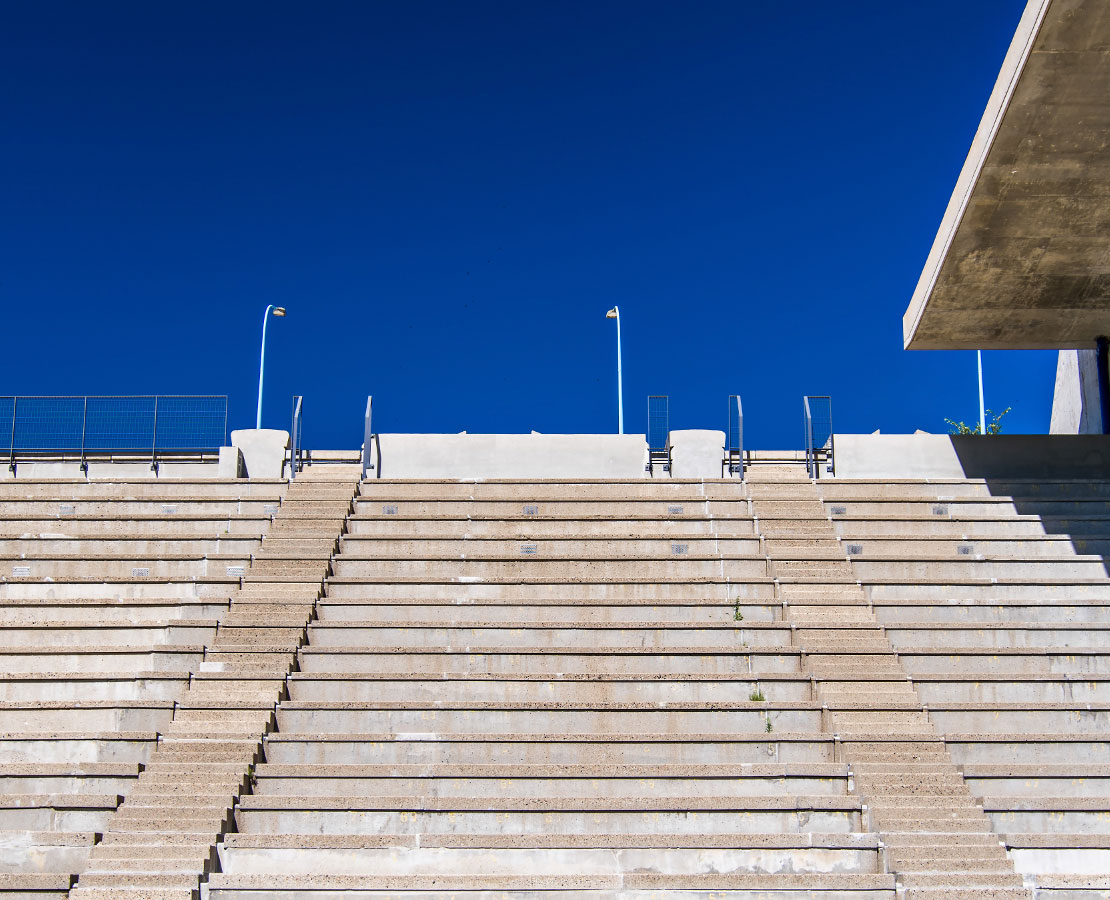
x=263, y=451
x=1075, y=400
x=460, y=456
x=1019, y=258
x=1001, y=456
x=231, y=464
x=697, y=453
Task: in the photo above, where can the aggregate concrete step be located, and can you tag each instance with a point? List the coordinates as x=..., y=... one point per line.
x=125, y=892
x=563, y=749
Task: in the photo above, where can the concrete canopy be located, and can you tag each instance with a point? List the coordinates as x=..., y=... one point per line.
x=1022, y=256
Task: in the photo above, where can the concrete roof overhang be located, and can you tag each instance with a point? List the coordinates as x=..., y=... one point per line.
x=1022, y=256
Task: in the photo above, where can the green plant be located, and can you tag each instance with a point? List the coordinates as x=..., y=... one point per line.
x=736, y=614
x=770, y=727
x=994, y=424
x=756, y=696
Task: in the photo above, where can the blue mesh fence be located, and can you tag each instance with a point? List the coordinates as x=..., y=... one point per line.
x=135, y=424
x=659, y=422
x=818, y=422
x=735, y=425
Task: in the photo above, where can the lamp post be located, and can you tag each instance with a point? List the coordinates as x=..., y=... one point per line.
x=278, y=311
x=615, y=313
x=982, y=409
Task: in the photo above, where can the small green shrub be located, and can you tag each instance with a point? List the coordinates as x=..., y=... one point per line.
x=994, y=424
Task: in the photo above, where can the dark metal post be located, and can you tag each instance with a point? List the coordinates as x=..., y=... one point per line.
x=1102, y=360
x=154, y=439
x=84, y=423
x=11, y=453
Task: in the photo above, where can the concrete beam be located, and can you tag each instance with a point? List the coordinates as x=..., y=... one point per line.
x=1021, y=259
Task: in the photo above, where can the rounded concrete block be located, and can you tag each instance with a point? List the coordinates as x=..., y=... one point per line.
x=263, y=451
x=697, y=453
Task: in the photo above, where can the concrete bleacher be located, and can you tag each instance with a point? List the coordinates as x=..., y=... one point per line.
x=769, y=688
x=110, y=593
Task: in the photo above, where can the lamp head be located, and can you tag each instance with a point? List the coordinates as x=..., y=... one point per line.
x=612, y=314
x=279, y=311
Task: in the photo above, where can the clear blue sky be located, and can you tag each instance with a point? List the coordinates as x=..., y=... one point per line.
x=448, y=196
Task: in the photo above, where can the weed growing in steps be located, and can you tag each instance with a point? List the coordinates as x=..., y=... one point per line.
x=756, y=696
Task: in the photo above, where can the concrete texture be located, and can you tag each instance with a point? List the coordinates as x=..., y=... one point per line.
x=231, y=463
x=886, y=456
x=263, y=451
x=697, y=453
x=524, y=687
x=459, y=456
x=1019, y=260
x=1075, y=400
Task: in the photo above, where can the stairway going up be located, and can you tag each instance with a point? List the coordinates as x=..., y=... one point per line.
x=936, y=838
x=560, y=689
x=161, y=840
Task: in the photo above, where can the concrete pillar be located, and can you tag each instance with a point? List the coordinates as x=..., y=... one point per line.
x=1076, y=402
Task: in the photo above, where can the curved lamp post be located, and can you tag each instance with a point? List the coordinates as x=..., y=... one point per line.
x=615, y=313
x=278, y=311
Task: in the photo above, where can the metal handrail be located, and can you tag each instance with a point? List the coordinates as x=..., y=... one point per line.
x=734, y=450
x=367, y=437
x=295, y=446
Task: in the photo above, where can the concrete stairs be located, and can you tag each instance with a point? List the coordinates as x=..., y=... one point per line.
x=161, y=840
x=938, y=841
x=585, y=689
x=524, y=688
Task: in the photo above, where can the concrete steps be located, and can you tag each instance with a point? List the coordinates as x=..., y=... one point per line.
x=161, y=840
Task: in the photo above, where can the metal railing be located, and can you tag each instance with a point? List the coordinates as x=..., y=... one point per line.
x=368, y=440
x=659, y=432
x=734, y=440
x=296, y=443
x=84, y=426
x=820, y=442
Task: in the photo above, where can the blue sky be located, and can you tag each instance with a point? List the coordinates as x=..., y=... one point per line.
x=448, y=196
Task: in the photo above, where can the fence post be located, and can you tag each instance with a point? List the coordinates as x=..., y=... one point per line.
x=84, y=423
x=154, y=439
x=11, y=453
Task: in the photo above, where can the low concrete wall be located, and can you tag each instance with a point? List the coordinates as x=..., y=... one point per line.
x=263, y=451
x=110, y=471
x=972, y=456
x=697, y=453
x=464, y=456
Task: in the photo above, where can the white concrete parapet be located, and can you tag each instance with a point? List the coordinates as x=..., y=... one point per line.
x=535, y=455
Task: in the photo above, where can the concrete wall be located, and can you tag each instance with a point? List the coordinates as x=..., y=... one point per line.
x=110, y=471
x=1075, y=402
x=263, y=451
x=697, y=453
x=510, y=456
x=972, y=456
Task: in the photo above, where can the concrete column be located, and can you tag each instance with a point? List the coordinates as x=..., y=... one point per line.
x=1076, y=402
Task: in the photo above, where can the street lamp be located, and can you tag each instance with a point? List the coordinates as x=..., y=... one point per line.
x=982, y=412
x=615, y=313
x=278, y=311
